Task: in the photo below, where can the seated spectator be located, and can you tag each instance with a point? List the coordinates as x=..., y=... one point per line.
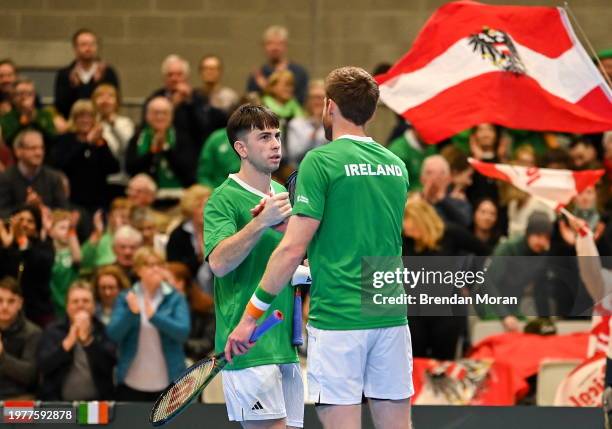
x=18, y=344
x=80, y=78
x=220, y=97
x=201, y=340
x=27, y=255
x=193, y=116
x=25, y=114
x=305, y=133
x=410, y=149
x=161, y=150
x=150, y=324
x=143, y=219
x=108, y=282
x=436, y=180
x=485, y=223
x=279, y=96
x=67, y=257
x=583, y=154
x=98, y=249
x=75, y=356
x=29, y=180
x=85, y=157
x=511, y=276
x=186, y=242
x=275, y=40
x=8, y=76
x=117, y=130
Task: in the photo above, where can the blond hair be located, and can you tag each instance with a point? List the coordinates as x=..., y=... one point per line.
x=276, y=30
x=60, y=215
x=107, y=87
x=192, y=197
x=143, y=254
x=78, y=108
x=427, y=221
x=278, y=76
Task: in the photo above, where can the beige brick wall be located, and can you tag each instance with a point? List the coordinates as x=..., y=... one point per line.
x=138, y=34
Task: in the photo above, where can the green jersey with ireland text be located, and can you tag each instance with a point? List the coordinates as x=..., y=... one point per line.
x=226, y=213
x=358, y=190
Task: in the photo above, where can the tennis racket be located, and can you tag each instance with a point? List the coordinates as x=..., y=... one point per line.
x=296, y=338
x=179, y=394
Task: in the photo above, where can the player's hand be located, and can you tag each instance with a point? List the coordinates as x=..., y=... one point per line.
x=276, y=209
x=238, y=342
x=511, y=324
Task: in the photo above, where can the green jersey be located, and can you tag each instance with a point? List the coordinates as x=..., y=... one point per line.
x=357, y=189
x=63, y=273
x=226, y=213
x=217, y=160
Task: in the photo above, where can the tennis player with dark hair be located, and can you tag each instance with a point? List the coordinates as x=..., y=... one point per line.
x=349, y=204
x=263, y=389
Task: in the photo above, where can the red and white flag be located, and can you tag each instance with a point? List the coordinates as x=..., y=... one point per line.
x=517, y=66
x=553, y=186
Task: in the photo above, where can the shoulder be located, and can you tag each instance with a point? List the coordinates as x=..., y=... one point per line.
x=297, y=69
x=277, y=187
x=31, y=328
x=64, y=71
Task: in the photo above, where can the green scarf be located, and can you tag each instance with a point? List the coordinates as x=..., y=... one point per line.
x=165, y=177
x=291, y=109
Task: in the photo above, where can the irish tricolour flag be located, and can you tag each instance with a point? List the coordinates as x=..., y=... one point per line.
x=517, y=66
x=95, y=412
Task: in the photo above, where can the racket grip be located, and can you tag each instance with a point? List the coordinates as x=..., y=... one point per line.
x=297, y=339
x=274, y=319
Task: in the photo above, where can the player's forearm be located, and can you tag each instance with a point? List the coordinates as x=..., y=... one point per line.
x=230, y=253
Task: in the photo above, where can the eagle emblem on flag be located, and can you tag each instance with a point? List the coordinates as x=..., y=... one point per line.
x=498, y=47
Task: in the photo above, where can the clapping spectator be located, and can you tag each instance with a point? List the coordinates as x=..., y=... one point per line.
x=305, y=133
x=85, y=157
x=150, y=324
x=80, y=78
x=275, y=40
x=29, y=180
x=117, y=130
x=67, y=256
x=221, y=97
x=25, y=114
x=193, y=116
x=186, y=242
x=28, y=256
x=161, y=150
x=108, y=282
x=18, y=343
x=75, y=356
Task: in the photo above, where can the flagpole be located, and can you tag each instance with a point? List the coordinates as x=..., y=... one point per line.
x=588, y=42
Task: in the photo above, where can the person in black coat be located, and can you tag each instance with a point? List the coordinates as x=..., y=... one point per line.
x=85, y=158
x=161, y=150
x=193, y=115
x=80, y=78
x=75, y=357
x=27, y=256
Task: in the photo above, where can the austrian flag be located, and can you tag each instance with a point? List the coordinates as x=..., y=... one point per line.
x=555, y=187
x=517, y=66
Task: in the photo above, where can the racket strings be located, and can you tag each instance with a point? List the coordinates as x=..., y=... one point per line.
x=183, y=389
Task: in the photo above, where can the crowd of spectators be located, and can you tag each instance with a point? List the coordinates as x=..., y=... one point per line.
x=103, y=281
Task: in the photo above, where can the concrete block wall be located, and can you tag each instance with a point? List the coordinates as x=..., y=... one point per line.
x=138, y=34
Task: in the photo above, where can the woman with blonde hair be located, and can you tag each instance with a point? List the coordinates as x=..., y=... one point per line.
x=150, y=324
x=117, y=130
x=280, y=96
x=84, y=156
x=186, y=243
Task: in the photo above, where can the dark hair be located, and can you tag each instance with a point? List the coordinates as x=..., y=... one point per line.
x=457, y=160
x=10, y=284
x=34, y=211
x=498, y=132
x=556, y=156
x=354, y=91
x=80, y=31
x=207, y=56
x=247, y=118
x=577, y=141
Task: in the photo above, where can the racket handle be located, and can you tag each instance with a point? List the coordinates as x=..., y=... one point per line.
x=274, y=319
x=297, y=339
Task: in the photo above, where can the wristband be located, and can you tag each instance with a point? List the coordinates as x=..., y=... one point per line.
x=259, y=303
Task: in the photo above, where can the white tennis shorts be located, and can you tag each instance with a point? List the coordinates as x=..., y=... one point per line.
x=344, y=365
x=265, y=392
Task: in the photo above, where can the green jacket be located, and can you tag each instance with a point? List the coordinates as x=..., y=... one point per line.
x=11, y=126
x=217, y=160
